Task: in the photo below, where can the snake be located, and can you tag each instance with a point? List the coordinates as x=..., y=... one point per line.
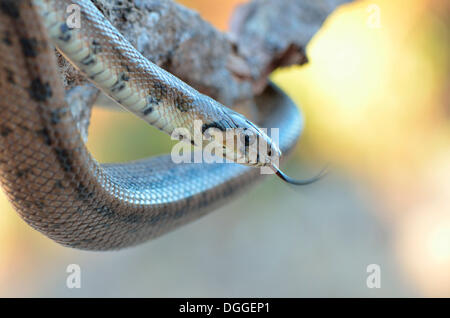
x=54, y=182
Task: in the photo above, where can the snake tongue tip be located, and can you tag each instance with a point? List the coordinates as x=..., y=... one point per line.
x=293, y=181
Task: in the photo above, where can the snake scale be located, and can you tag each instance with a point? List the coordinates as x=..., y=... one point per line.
x=47, y=172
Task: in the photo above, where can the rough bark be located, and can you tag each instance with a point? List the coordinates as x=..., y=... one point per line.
x=274, y=33
x=232, y=67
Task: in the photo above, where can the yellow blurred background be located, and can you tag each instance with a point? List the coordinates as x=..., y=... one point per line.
x=377, y=105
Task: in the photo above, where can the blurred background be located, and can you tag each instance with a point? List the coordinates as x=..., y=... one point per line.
x=377, y=105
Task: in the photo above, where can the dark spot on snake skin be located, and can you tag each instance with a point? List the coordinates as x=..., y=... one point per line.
x=22, y=173
x=96, y=74
x=214, y=124
x=45, y=135
x=56, y=116
x=147, y=111
x=39, y=204
x=96, y=47
x=122, y=58
x=64, y=160
x=5, y=131
x=189, y=201
x=83, y=193
x=55, y=226
x=88, y=60
x=125, y=77
x=151, y=100
x=74, y=244
x=29, y=47
x=108, y=212
x=105, y=225
x=178, y=214
x=203, y=201
x=118, y=88
x=133, y=218
x=7, y=38
x=9, y=76
x=23, y=127
x=65, y=35
x=40, y=91
x=64, y=28
x=183, y=103
x=10, y=8
x=158, y=91
x=118, y=85
x=59, y=185
x=81, y=243
x=105, y=211
x=154, y=219
x=227, y=191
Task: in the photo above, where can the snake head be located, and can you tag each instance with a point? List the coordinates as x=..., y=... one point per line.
x=241, y=140
x=245, y=143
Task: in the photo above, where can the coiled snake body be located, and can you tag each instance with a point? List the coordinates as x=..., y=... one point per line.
x=47, y=172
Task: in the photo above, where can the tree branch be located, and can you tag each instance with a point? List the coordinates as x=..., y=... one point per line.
x=231, y=68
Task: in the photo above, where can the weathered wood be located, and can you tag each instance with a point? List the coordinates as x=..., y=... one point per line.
x=232, y=67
